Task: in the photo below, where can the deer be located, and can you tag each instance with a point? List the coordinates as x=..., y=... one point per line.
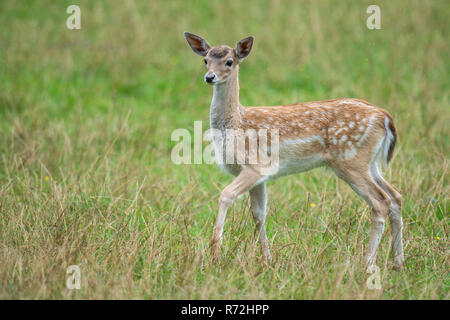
x=350, y=136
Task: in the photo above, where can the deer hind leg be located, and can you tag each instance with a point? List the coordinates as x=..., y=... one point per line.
x=395, y=216
x=258, y=198
x=363, y=184
x=242, y=183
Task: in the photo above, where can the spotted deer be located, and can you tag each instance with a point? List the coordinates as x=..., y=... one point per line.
x=350, y=136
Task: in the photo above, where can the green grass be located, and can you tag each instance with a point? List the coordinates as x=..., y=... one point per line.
x=93, y=110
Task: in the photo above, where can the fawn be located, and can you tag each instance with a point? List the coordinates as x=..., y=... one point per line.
x=351, y=136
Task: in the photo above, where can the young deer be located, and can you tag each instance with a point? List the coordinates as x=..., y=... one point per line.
x=350, y=136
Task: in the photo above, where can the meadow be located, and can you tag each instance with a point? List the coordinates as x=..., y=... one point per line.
x=86, y=176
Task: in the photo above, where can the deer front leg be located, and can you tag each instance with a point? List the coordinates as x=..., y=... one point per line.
x=258, y=197
x=243, y=182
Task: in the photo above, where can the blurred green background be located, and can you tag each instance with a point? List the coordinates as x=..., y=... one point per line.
x=86, y=177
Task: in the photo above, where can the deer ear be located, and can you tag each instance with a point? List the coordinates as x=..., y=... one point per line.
x=244, y=47
x=199, y=45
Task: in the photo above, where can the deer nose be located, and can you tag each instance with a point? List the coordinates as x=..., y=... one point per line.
x=209, y=78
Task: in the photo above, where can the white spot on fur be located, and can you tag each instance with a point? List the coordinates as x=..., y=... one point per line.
x=350, y=153
x=339, y=131
x=369, y=126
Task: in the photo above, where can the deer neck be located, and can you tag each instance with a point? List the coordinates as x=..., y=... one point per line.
x=225, y=106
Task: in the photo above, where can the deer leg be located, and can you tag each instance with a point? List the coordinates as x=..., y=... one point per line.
x=242, y=183
x=368, y=189
x=395, y=218
x=258, y=197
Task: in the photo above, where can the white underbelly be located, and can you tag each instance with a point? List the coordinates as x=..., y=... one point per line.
x=290, y=166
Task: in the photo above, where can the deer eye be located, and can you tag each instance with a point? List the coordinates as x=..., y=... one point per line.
x=206, y=62
x=229, y=63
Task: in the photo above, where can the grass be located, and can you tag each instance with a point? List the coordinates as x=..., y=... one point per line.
x=85, y=171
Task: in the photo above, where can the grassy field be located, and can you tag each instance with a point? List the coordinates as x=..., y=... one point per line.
x=85, y=171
